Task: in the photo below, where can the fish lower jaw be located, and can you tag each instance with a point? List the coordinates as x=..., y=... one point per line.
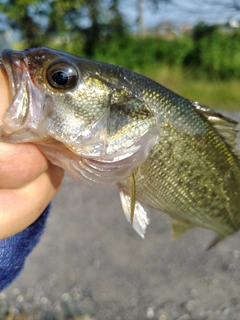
x=85, y=169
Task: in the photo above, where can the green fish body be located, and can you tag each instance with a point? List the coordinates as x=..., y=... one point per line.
x=181, y=178
x=106, y=124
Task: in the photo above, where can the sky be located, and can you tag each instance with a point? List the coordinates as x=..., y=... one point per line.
x=177, y=12
x=183, y=12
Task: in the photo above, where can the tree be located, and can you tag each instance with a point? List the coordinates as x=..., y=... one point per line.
x=155, y=4
x=42, y=22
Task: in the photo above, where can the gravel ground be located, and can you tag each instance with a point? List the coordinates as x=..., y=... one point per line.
x=91, y=265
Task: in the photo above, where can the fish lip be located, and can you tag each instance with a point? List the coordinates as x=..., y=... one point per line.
x=13, y=64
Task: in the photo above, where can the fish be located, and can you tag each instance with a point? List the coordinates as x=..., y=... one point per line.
x=108, y=125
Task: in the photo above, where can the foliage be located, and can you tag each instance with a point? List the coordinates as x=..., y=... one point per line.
x=216, y=52
x=50, y=22
x=210, y=52
x=98, y=30
x=41, y=20
x=138, y=53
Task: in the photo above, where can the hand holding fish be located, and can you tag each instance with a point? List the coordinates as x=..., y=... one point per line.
x=28, y=181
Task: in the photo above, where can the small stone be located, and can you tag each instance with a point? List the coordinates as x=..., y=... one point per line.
x=16, y=291
x=2, y=295
x=226, y=311
x=65, y=296
x=44, y=300
x=96, y=264
x=236, y=253
x=210, y=312
x=215, y=281
x=190, y=305
x=87, y=299
x=20, y=298
x=193, y=292
x=150, y=313
x=203, y=313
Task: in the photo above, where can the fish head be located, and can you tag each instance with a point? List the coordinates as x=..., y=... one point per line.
x=82, y=114
x=51, y=94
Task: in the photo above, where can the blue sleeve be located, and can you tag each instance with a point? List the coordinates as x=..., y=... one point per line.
x=15, y=249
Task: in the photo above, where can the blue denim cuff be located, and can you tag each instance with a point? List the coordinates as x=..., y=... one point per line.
x=15, y=249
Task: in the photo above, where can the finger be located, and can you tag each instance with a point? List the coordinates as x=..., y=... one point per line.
x=20, y=164
x=21, y=207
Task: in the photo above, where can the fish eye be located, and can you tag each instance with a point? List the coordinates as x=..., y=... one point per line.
x=62, y=75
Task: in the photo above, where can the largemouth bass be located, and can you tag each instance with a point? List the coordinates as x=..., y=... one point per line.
x=105, y=124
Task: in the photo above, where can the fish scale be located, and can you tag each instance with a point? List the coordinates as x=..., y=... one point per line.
x=198, y=206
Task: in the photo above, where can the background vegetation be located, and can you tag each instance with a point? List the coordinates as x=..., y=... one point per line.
x=203, y=64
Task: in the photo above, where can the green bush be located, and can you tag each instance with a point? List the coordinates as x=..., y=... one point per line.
x=216, y=53
x=209, y=53
x=137, y=53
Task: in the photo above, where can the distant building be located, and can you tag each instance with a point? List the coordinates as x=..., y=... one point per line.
x=234, y=23
x=164, y=29
x=169, y=30
x=186, y=28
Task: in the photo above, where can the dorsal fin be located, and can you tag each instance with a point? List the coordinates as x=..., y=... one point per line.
x=179, y=227
x=225, y=126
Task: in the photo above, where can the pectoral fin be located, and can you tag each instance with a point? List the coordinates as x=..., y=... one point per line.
x=140, y=219
x=179, y=227
x=132, y=188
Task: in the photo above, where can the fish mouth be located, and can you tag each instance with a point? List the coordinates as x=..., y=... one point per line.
x=15, y=67
x=23, y=113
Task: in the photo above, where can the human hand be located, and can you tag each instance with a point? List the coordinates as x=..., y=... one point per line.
x=28, y=181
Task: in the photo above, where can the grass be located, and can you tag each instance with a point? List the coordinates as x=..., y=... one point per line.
x=216, y=94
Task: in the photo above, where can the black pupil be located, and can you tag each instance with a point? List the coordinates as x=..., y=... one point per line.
x=60, y=78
